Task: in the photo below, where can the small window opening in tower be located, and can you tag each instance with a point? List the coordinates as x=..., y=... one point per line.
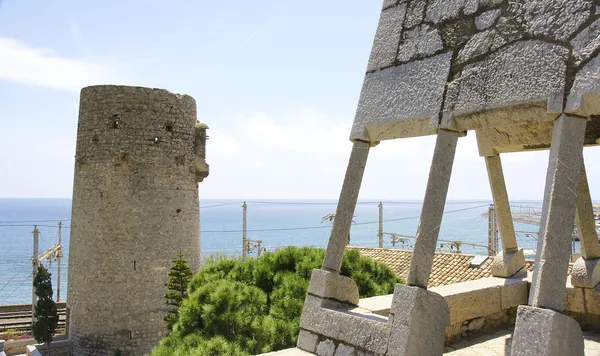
x=115, y=122
x=156, y=140
x=135, y=265
x=169, y=127
x=130, y=334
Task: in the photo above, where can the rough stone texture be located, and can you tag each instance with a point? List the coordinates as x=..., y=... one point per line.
x=487, y=19
x=307, y=341
x=584, y=97
x=540, y=69
x=586, y=42
x=564, y=15
x=420, y=42
x=346, y=205
x=344, y=350
x=401, y=101
x=586, y=273
x=558, y=215
x=508, y=263
x=368, y=332
x=433, y=208
x=135, y=206
x=414, y=13
x=331, y=285
x=544, y=332
x=385, y=44
x=326, y=348
x=419, y=319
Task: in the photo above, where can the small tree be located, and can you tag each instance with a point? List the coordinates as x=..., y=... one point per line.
x=180, y=275
x=46, y=314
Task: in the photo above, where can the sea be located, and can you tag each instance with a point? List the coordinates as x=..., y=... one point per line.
x=277, y=223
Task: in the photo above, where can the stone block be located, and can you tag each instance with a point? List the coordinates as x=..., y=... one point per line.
x=487, y=19
x=566, y=16
x=325, y=348
x=420, y=318
x=387, y=37
x=473, y=303
x=307, y=341
x=545, y=332
x=402, y=101
x=370, y=334
x=539, y=81
x=584, y=97
x=344, y=350
x=331, y=285
x=586, y=273
x=586, y=42
x=388, y=3
x=574, y=300
x=441, y=10
x=414, y=13
x=513, y=293
x=507, y=263
x=592, y=300
x=422, y=41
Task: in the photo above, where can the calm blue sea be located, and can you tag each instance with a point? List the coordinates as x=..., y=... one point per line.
x=276, y=223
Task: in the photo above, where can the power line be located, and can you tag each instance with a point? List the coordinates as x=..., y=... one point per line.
x=328, y=226
x=13, y=277
x=31, y=221
x=14, y=290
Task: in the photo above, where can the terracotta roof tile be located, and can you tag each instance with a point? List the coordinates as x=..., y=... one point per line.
x=447, y=267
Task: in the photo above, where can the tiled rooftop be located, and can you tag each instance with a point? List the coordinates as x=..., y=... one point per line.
x=448, y=268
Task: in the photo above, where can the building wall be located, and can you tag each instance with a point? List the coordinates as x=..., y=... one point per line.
x=135, y=206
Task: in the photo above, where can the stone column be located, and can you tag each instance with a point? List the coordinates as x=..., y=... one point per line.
x=510, y=260
x=540, y=328
x=346, y=206
x=433, y=209
x=560, y=200
x=586, y=270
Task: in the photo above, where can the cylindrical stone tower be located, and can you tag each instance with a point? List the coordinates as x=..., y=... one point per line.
x=140, y=155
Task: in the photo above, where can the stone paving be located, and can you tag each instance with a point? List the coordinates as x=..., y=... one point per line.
x=499, y=343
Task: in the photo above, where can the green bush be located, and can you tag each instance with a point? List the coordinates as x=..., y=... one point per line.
x=250, y=307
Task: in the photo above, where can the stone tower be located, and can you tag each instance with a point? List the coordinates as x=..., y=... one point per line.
x=140, y=155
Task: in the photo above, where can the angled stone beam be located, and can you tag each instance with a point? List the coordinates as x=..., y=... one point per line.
x=511, y=259
x=541, y=328
x=433, y=209
x=558, y=215
x=346, y=206
x=586, y=270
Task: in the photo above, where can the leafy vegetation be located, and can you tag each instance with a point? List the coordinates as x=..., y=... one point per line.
x=46, y=314
x=180, y=275
x=252, y=307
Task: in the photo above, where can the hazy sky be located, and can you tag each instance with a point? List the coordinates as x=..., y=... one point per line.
x=276, y=81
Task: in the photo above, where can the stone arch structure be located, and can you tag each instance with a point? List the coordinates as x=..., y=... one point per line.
x=140, y=155
x=522, y=75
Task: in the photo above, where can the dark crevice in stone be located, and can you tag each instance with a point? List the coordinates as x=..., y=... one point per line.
x=444, y=95
x=570, y=74
x=457, y=33
x=398, y=46
x=587, y=23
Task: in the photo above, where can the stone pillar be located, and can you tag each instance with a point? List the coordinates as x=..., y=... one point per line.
x=510, y=260
x=560, y=200
x=586, y=270
x=346, y=206
x=433, y=209
x=540, y=328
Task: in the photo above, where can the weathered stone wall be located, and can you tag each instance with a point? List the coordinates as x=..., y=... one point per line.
x=135, y=206
x=471, y=64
